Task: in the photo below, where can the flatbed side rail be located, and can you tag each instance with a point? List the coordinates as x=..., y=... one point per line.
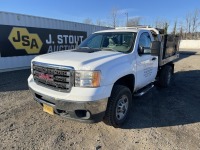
x=168, y=59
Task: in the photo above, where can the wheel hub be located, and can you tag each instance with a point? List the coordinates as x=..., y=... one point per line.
x=122, y=107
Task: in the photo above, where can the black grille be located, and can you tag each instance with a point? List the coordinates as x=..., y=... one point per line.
x=55, y=77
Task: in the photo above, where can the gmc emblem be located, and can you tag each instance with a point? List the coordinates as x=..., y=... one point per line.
x=46, y=77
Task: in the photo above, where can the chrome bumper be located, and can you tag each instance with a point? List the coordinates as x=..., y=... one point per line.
x=91, y=111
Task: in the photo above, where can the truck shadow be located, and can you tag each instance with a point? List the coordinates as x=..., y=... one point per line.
x=177, y=105
x=14, y=80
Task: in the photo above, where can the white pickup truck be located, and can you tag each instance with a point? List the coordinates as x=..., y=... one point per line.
x=98, y=80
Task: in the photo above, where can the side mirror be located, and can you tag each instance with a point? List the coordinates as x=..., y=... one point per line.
x=140, y=50
x=155, y=48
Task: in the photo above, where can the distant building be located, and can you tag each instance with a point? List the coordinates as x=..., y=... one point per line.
x=23, y=37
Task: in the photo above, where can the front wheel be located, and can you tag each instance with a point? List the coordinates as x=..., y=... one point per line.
x=118, y=106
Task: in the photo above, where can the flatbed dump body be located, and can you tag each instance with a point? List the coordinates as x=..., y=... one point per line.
x=169, y=50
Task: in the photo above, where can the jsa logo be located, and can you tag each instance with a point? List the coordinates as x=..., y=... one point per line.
x=22, y=39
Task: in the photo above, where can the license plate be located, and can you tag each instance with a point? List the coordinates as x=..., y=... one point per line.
x=48, y=109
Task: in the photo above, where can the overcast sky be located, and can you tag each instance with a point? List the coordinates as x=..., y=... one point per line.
x=78, y=10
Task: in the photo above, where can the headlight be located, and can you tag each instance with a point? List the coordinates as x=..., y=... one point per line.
x=87, y=78
x=31, y=67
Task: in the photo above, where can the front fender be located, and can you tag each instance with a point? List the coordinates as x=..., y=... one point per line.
x=112, y=71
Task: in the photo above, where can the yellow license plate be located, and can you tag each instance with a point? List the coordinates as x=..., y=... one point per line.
x=48, y=109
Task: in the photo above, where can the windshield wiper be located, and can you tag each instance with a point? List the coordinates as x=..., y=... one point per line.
x=84, y=48
x=109, y=49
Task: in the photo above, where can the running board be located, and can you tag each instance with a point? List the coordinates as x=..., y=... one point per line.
x=144, y=90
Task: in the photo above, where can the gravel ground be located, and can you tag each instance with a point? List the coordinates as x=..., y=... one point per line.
x=162, y=119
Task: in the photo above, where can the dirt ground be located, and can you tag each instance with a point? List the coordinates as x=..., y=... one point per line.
x=162, y=119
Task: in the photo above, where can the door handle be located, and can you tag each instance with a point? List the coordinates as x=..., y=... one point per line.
x=154, y=58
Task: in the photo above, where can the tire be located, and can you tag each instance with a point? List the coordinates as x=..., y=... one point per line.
x=165, y=76
x=119, y=104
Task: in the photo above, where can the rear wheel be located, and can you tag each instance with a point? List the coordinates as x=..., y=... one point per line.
x=165, y=76
x=118, y=106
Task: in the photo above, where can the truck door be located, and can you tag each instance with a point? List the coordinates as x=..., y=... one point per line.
x=147, y=64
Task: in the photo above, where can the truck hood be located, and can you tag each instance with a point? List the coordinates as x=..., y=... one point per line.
x=79, y=60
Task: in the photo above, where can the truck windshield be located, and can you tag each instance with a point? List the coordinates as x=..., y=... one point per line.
x=110, y=41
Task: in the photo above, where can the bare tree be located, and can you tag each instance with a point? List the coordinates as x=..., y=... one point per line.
x=181, y=32
x=161, y=23
x=114, y=17
x=195, y=19
x=195, y=23
x=192, y=23
x=87, y=21
x=188, y=19
x=101, y=23
x=98, y=22
x=134, y=22
x=180, y=29
x=166, y=26
x=175, y=28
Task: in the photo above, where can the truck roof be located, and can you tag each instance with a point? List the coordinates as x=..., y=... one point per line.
x=118, y=30
x=132, y=29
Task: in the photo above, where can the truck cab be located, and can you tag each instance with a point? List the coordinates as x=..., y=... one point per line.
x=99, y=79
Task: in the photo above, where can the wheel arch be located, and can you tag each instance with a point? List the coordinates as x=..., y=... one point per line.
x=127, y=80
x=168, y=64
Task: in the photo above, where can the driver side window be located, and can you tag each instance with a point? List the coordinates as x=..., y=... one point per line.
x=145, y=42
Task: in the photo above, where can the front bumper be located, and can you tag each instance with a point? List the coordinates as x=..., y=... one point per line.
x=85, y=111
